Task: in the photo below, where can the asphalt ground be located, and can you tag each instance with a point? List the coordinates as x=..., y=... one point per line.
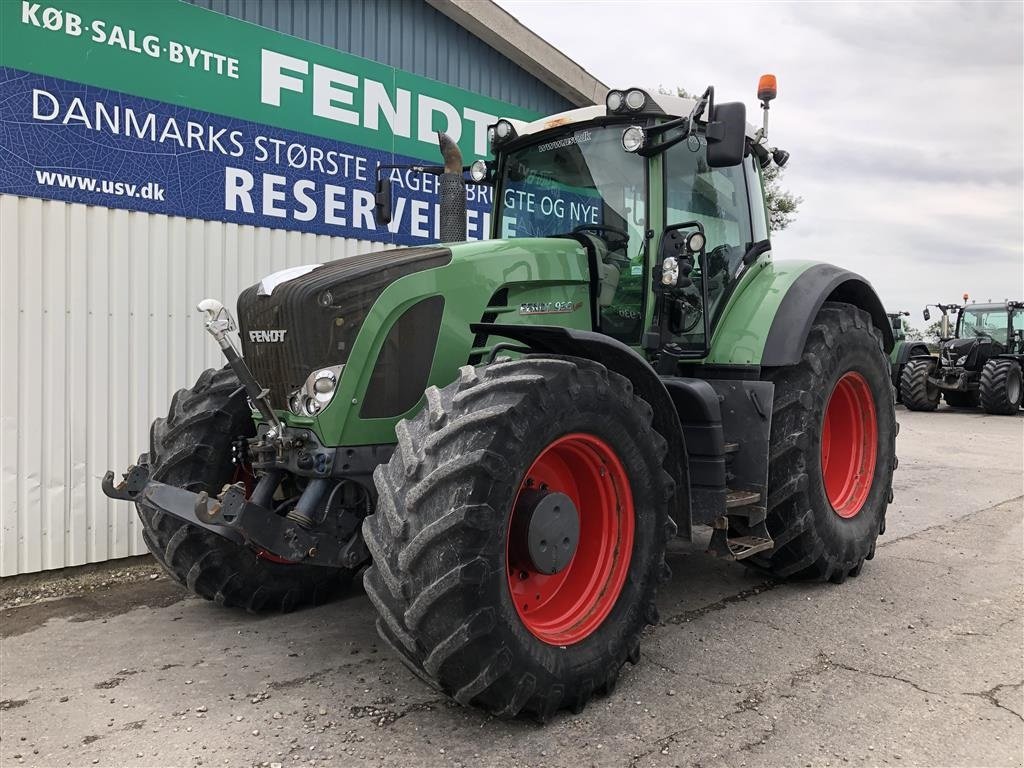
x=919, y=661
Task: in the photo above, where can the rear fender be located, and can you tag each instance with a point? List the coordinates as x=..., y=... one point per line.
x=617, y=357
x=787, y=336
x=911, y=351
x=768, y=319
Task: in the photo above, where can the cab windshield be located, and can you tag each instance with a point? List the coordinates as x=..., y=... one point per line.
x=583, y=181
x=990, y=322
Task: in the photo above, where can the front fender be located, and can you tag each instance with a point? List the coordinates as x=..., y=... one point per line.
x=618, y=357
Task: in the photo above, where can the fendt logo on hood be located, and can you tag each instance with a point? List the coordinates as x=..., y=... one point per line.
x=258, y=337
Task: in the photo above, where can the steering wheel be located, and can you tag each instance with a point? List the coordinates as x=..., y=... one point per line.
x=623, y=235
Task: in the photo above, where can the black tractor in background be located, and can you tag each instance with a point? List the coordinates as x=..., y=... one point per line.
x=979, y=362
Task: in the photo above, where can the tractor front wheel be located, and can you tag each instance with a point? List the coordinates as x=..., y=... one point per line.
x=918, y=393
x=520, y=535
x=191, y=449
x=1001, y=387
x=833, y=451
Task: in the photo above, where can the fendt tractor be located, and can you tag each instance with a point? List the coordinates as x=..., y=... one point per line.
x=903, y=349
x=980, y=360
x=539, y=412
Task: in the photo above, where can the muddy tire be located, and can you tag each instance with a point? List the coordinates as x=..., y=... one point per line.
x=458, y=597
x=833, y=451
x=191, y=449
x=961, y=399
x=1001, y=387
x=916, y=392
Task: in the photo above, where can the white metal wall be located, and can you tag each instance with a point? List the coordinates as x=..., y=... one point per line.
x=97, y=329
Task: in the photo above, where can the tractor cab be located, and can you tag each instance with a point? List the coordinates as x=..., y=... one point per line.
x=899, y=327
x=663, y=192
x=994, y=322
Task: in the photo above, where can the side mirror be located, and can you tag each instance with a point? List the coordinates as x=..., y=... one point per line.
x=382, y=201
x=927, y=315
x=727, y=134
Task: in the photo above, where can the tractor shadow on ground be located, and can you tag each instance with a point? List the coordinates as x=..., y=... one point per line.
x=948, y=410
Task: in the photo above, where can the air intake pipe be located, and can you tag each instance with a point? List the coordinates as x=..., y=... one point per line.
x=452, y=188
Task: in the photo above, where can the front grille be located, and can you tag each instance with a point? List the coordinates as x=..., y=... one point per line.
x=321, y=314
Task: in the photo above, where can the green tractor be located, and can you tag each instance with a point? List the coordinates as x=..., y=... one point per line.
x=506, y=434
x=980, y=360
x=903, y=349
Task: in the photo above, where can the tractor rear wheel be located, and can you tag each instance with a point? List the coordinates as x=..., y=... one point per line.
x=833, y=451
x=961, y=399
x=191, y=449
x=1001, y=387
x=520, y=535
x=917, y=392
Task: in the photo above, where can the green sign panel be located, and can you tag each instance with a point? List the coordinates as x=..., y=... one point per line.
x=175, y=53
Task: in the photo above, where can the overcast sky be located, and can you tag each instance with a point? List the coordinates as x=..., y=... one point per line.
x=904, y=121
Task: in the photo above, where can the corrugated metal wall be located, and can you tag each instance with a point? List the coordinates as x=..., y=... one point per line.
x=98, y=328
x=407, y=34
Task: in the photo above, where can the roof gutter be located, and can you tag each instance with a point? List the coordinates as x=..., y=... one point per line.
x=505, y=34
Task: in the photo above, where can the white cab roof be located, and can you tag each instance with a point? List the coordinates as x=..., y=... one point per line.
x=673, y=106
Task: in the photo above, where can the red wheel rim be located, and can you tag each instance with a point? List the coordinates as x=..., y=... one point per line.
x=567, y=607
x=849, y=445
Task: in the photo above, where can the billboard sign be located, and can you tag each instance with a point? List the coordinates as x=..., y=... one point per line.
x=165, y=107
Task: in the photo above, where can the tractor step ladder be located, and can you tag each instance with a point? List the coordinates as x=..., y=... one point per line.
x=734, y=499
x=740, y=547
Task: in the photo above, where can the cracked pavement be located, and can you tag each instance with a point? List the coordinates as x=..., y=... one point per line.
x=919, y=661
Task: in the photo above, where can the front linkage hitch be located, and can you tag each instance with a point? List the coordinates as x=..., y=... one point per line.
x=249, y=519
x=237, y=518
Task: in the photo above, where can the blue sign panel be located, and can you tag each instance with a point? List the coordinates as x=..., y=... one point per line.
x=83, y=144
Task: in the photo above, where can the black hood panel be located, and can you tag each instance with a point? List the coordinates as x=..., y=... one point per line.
x=320, y=314
x=976, y=351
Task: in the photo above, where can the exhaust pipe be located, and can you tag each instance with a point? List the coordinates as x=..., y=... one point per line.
x=452, y=192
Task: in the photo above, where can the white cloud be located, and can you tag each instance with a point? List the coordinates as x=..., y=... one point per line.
x=905, y=122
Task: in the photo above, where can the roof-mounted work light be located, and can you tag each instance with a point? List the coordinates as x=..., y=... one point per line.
x=631, y=100
x=633, y=138
x=501, y=132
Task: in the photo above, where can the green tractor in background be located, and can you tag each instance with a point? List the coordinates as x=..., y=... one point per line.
x=508, y=432
x=980, y=360
x=903, y=349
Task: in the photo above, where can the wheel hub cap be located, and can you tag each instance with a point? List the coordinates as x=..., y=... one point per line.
x=552, y=529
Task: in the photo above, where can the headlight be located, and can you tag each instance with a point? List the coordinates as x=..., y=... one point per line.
x=316, y=393
x=669, y=271
x=478, y=170
x=614, y=100
x=695, y=242
x=633, y=138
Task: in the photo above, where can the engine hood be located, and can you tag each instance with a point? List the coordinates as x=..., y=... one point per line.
x=969, y=353
x=305, y=318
